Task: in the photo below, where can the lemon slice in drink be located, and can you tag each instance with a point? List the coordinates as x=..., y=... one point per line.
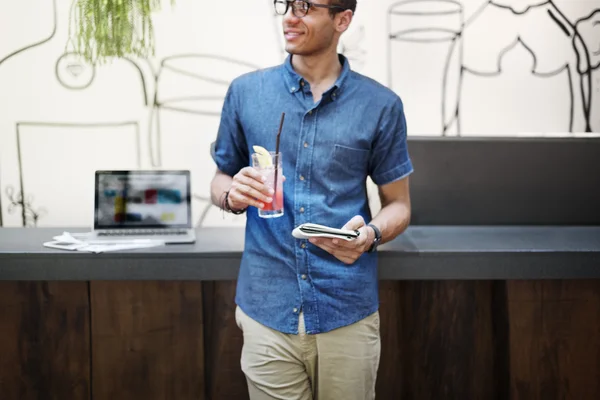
x=264, y=157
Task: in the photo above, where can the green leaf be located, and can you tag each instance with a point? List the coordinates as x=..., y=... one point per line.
x=101, y=30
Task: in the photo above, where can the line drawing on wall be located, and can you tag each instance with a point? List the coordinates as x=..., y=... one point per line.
x=29, y=215
x=22, y=199
x=426, y=30
x=6, y=58
x=190, y=87
x=38, y=43
x=73, y=74
x=204, y=102
x=74, y=63
x=70, y=62
x=437, y=31
x=182, y=88
x=190, y=84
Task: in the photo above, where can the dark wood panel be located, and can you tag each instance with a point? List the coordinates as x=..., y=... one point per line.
x=390, y=379
x=44, y=341
x=223, y=343
x=447, y=340
x=554, y=339
x=148, y=340
x=166, y=340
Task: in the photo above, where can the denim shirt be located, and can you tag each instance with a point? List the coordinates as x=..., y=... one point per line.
x=357, y=129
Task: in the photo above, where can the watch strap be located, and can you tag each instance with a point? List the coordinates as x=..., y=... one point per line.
x=377, y=238
x=226, y=206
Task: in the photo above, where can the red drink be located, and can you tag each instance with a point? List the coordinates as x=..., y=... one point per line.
x=274, y=208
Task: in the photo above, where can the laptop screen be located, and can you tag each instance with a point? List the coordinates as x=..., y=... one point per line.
x=142, y=199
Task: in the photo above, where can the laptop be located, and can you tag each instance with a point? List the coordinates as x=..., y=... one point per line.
x=141, y=204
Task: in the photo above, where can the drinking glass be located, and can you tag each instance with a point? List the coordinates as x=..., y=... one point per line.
x=275, y=208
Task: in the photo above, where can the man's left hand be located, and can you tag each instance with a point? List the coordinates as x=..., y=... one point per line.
x=348, y=251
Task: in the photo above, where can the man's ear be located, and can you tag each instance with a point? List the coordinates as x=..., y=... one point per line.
x=343, y=20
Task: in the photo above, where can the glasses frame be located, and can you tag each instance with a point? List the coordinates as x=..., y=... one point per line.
x=310, y=4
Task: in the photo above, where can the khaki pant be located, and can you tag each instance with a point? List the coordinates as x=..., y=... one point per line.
x=337, y=365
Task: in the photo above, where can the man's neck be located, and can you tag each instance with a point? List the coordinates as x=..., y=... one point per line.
x=318, y=70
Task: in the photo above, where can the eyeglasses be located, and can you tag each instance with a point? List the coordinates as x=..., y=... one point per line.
x=299, y=7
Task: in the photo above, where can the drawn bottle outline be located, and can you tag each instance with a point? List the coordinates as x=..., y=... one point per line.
x=421, y=36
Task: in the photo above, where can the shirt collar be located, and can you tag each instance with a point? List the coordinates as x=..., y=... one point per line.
x=294, y=81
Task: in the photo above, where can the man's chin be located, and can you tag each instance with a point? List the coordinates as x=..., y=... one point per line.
x=294, y=50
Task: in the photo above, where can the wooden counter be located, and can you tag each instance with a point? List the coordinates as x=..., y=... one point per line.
x=466, y=313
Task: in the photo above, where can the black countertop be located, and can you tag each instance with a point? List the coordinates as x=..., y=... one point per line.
x=422, y=252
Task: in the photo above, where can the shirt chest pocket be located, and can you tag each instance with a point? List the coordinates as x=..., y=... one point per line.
x=347, y=170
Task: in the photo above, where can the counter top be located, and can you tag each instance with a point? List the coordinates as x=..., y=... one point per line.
x=422, y=252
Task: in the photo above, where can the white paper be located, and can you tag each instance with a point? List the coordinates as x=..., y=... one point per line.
x=81, y=242
x=323, y=231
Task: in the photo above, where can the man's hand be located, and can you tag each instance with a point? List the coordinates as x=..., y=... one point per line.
x=248, y=189
x=348, y=251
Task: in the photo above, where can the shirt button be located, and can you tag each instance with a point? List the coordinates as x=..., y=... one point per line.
x=293, y=89
x=305, y=144
x=303, y=277
x=310, y=112
x=301, y=83
x=303, y=245
x=301, y=209
x=301, y=177
x=295, y=310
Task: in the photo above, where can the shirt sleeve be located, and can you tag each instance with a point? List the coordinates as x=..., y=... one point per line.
x=230, y=151
x=390, y=160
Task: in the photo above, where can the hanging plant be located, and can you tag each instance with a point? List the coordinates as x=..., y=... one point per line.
x=103, y=29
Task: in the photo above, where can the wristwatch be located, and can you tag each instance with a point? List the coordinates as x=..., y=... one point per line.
x=377, y=238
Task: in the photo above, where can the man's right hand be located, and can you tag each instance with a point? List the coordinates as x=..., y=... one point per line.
x=248, y=189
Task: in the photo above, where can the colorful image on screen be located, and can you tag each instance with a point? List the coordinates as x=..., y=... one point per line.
x=142, y=200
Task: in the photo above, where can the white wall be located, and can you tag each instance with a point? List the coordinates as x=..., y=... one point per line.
x=521, y=75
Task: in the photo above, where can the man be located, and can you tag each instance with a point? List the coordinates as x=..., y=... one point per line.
x=309, y=308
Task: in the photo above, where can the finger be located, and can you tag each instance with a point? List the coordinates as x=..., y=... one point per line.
x=238, y=197
x=347, y=260
x=347, y=256
x=362, y=241
x=323, y=240
x=251, y=182
x=253, y=173
x=346, y=244
x=328, y=248
x=339, y=243
x=323, y=244
x=339, y=252
x=356, y=222
x=249, y=191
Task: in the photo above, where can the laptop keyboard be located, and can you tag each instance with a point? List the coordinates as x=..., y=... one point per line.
x=142, y=232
